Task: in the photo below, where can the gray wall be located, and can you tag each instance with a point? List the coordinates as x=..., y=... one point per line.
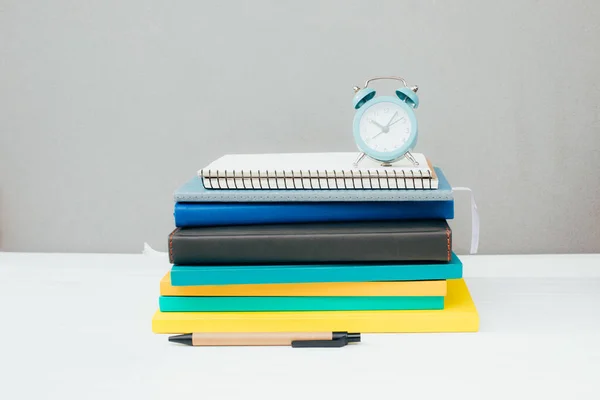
x=106, y=108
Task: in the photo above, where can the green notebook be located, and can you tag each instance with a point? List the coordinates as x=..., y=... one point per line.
x=337, y=303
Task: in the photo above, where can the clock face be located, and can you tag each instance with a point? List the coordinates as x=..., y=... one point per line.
x=385, y=127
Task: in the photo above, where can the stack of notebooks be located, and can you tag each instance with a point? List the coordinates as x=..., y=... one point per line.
x=309, y=242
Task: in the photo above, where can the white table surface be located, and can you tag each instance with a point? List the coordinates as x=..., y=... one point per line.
x=79, y=326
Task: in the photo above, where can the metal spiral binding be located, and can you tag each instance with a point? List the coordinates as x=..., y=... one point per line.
x=301, y=179
x=239, y=180
x=429, y=178
x=218, y=180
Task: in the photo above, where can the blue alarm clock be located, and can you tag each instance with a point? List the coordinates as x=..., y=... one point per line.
x=385, y=127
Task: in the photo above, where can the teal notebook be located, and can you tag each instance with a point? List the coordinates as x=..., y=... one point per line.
x=194, y=191
x=258, y=274
x=199, y=304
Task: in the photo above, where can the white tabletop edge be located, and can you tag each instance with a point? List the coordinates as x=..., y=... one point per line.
x=475, y=266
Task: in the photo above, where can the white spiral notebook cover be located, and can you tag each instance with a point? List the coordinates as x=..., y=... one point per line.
x=194, y=191
x=315, y=171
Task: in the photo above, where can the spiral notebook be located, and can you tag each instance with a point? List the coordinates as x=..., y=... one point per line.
x=313, y=171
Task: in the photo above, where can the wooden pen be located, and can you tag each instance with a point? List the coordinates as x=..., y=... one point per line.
x=294, y=339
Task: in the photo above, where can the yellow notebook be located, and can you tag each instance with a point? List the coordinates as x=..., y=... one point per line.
x=459, y=315
x=403, y=288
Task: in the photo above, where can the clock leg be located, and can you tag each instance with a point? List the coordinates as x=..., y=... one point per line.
x=411, y=158
x=359, y=159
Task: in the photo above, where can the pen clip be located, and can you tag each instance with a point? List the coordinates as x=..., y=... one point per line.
x=341, y=342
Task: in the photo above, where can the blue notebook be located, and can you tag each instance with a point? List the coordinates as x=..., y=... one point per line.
x=211, y=214
x=239, y=275
x=194, y=191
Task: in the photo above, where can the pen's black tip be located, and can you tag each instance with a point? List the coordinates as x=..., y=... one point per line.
x=183, y=339
x=353, y=337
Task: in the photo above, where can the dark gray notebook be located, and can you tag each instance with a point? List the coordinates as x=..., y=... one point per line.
x=311, y=243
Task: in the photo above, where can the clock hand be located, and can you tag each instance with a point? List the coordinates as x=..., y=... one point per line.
x=391, y=119
x=384, y=129
x=377, y=135
x=377, y=123
x=398, y=120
